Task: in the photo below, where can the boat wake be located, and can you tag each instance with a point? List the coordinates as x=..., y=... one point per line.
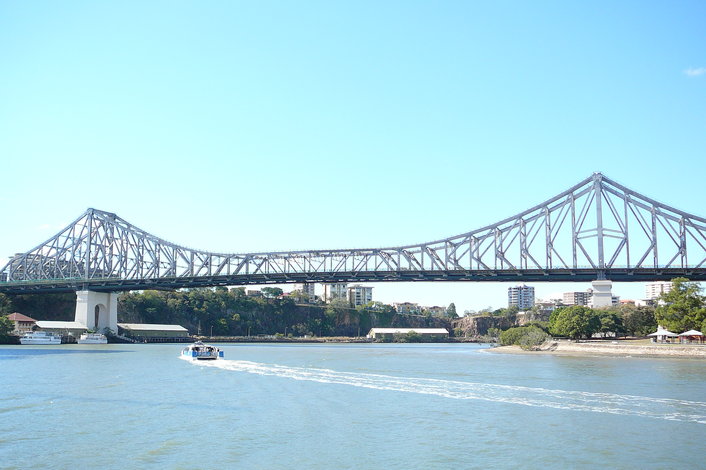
x=632, y=405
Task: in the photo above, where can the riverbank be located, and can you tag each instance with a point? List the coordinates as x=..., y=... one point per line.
x=314, y=339
x=610, y=348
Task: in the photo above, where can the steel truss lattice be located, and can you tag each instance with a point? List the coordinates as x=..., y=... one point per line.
x=596, y=229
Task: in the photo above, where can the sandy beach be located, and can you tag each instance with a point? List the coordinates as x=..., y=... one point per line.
x=610, y=348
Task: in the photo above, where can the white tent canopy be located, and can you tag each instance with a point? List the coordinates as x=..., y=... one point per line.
x=661, y=332
x=691, y=333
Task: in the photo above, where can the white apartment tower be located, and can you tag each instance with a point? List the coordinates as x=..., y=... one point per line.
x=654, y=289
x=308, y=290
x=577, y=298
x=359, y=295
x=336, y=290
x=521, y=296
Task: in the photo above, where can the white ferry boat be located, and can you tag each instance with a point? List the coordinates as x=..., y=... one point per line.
x=40, y=337
x=92, y=338
x=201, y=352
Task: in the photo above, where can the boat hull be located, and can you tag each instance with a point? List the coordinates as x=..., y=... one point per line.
x=40, y=339
x=202, y=352
x=194, y=356
x=92, y=338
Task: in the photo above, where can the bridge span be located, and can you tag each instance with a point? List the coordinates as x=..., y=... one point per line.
x=597, y=229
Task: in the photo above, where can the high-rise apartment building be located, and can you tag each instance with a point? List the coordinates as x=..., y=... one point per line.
x=360, y=295
x=577, y=298
x=337, y=290
x=521, y=296
x=308, y=290
x=654, y=289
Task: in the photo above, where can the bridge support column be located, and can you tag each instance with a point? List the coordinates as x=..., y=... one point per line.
x=602, y=295
x=97, y=310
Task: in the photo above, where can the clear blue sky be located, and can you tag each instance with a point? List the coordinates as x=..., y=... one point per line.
x=261, y=126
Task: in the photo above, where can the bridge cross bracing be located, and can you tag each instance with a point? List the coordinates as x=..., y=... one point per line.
x=597, y=229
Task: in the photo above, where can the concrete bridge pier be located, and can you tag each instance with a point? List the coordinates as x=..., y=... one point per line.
x=602, y=295
x=97, y=310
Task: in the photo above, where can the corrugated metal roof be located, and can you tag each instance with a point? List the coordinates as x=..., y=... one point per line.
x=64, y=325
x=407, y=330
x=151, y=327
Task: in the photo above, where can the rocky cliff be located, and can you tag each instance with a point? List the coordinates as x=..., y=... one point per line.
x=478, y=325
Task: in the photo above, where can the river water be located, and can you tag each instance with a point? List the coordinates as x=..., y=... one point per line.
x=371, y=406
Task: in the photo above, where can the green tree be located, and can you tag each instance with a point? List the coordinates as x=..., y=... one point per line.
x=509, y=312
x=299, y=296
x=414, y=337
x=5, y=305
x=532, y=338
x=575, y=322
x=683, y=308
x=272, y=292
x=6, y=327
x=527, y=337
x=610, y=323
x=510, y=336
x=639, y=321
x=451, y=311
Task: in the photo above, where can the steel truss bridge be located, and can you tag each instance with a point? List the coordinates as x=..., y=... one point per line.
x=598, y=229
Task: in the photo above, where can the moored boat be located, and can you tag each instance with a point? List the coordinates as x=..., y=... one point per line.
x=201, y=352
x=40, y=337
x=92, y=338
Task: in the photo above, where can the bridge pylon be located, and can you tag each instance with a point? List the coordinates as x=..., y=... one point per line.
x=602, y=295
x=97, y=310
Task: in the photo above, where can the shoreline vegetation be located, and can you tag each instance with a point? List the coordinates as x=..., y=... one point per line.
x=616, y=348
x=558, y=347
x=269, y=316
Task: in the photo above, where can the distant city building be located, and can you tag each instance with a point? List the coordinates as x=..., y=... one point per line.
x=654, y=289
x=253, y=293
x=308, y=290
x=546, y=307
x=550, y=304
x=337, y=290
x=406, y=307
x=435, y=311
x=521, y=296
x=360, y=295
x=577, y=298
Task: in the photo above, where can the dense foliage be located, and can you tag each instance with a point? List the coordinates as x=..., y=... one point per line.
x=638, y=321
x=225, y=312
x=683, y=308
x=230, y=312
x=59, y=307
x=5, y=305
x=6, y=327
x=575, y=322
x=409, y=337
x=527, y=337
